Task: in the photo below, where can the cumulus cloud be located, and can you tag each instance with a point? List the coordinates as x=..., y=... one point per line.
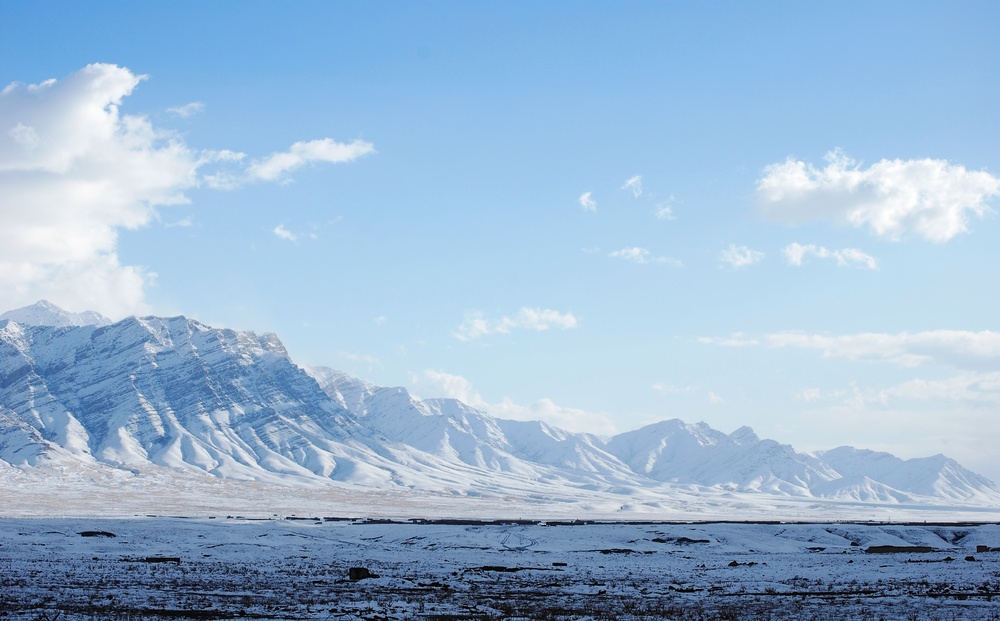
x=642, y=256
x=930, y=198
x=477, y=325
x=954, y=348
x=847, y=257
x=740, y=256
x=633, y=185
x=586, y=202
x=544, y=409
x=75, y=171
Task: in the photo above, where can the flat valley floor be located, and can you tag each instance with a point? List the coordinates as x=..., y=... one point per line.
x=298, y=568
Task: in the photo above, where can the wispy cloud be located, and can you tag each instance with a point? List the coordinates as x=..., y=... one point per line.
x=737, y=339
x=187, y=110
x=477, y=325
x=277, y=165
x=633, y=185
x=966, y=389
x=368, y=359
x=955, y=348
x=586, y=202
x=847, y=257
x=284, y=233
x=182, y=223
x=930, y=198
x=642, y=256
x=544, y=409
x=961, y=349
x=665, y=211
x=740, y=256
x=673, y=390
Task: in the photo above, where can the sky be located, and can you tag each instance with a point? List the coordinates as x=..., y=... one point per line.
x=597, y=214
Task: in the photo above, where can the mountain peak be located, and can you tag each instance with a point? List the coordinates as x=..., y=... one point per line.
x=45, y=313
x=744, y=435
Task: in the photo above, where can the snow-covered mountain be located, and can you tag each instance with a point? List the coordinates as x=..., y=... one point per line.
x=675, y=452
x=44, y=313
x=173, y=393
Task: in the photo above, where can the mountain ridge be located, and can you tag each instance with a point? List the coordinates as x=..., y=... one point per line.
x=178, y=394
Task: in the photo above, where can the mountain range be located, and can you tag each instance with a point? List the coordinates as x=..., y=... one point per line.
x=175, y=395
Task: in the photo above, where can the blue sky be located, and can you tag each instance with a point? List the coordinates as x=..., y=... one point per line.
x=780, y=215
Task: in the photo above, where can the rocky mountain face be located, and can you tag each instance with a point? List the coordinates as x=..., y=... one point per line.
x=174, y=393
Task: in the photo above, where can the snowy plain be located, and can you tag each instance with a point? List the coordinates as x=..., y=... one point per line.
x=253, y=550
x=287, y=567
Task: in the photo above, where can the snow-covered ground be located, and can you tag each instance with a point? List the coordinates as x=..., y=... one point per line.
x=82, y=490
x=233, y=567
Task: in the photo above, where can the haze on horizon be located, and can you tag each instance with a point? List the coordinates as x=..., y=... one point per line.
x=778, y=215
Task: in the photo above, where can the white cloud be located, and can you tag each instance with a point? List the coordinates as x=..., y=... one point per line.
x=642, y=256
x=932, y=199
x=24, y=135
x=284, y=233
x=965, y=388
x=183, y=223
x=665, y=212
x=277, y=165
x=74, y=171
x=737, y=339
x=368, y=359
x=809, y=395
x=961, y=349
x=672, y=390
x=634, y=185
x=544, y=409
x=955, y=348
x=587, y=202
x=476, y=324
x=740, y=256
x=847, y=257
x=187, y=110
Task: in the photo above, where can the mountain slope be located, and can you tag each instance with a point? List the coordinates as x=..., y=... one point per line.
x=175, y=393
x=454, y=431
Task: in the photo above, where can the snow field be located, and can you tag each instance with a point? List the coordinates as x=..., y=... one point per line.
x=158, y=568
